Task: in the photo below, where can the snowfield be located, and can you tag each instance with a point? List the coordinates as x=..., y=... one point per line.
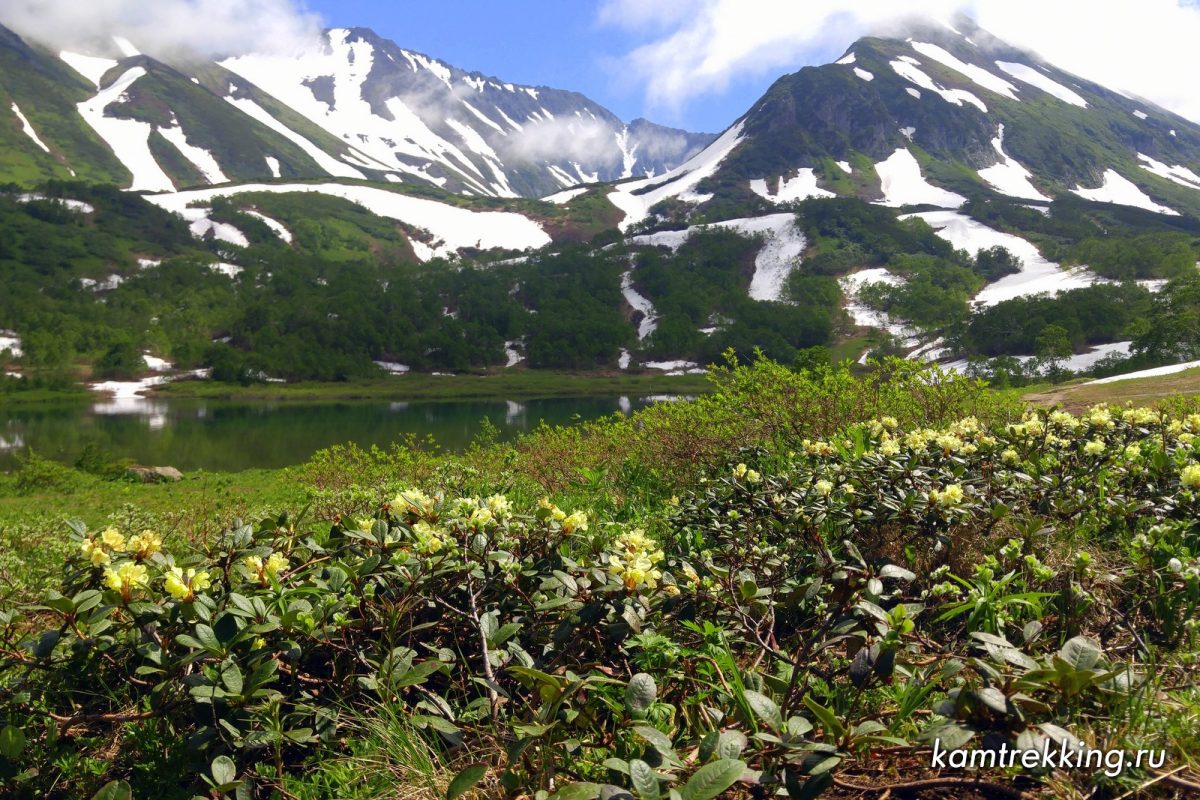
x=128, y=139
x=903, y=184
x=89, y=67
x=1120, y=190
x=1029, y=75
x=1009, y=177
x=378, y=142
x=453, y=228
x=677, y=182
x=1038, y=275
x=802, y=186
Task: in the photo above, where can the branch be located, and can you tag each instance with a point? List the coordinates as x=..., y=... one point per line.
x=937, y=783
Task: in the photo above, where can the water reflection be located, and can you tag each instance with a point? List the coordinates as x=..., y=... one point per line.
x=217, y=435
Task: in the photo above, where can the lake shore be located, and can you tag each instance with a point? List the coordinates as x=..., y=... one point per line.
x=518, y=385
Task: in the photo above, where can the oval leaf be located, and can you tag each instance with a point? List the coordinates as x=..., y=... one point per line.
x=712, y=779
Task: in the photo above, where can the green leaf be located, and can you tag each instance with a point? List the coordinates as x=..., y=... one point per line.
x=231, y=676
x=712, y=779
x=640, y=694
x=224, y=770
x=577, y=791
x=114, y=790
x=465, y=780
x=1081, y=652
x=659, y=740
x=207, y=638
x=12, y=742
x=829, y=720
x=765, y=709
x=644, y=781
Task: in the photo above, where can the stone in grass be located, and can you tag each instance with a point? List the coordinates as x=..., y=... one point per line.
x=155, y=474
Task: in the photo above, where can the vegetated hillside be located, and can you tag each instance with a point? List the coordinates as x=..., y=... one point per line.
x=354, y=105
x=797, y=584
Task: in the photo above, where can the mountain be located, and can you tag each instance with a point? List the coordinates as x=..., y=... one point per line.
x=953, y=108
x=933, y=194
x=357, y=107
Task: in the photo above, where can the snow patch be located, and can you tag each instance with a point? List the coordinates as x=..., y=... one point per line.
x=29, y=131
x=978, y=75
x=1008, y=177
x=333, y=166
x=1037, y=276
x=200, y=158
x=1029, y=75
x=275, y=225
x=673, y=183
x=914, y=92
x=903, y=184
x=453, y=228
x=1118, y=189
x=392, y=367
x=89, y=67
x=273, y=165
x=565, y=196
x=1141, y=115
x=1176, y=174
x=907, y=68
x=677, y=367
x=846, y=60
x=11, y=342
x=639, y=302
x=862, y=73
x=512, y=355
x=128, y=139
x=802, y=186
x=844, y=166
x=1148, y=373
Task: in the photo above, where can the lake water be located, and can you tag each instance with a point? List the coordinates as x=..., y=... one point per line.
x=227, y=436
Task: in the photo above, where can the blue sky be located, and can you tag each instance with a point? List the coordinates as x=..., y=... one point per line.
x=560, y=43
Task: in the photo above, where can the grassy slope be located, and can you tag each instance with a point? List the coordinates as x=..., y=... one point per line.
x=1139, y=391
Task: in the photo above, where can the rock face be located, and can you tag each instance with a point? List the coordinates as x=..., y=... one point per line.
x=155, y=474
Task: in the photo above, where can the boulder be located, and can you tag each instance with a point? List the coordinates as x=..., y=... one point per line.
x=155, y=474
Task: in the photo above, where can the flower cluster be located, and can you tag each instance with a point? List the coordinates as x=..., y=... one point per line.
x=633, y=558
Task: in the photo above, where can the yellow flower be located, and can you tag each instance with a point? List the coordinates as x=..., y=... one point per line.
x=481, y=518
x=575, y=522
x=184, y=585
x=889, y=448
x=113, y=540
x=634, y=558
x=1010, y=456
x=739, y=471
x=414, y=501
x=276, y=563
x=364, y=523
x=1094, y=448
x=951, y=496
x=949, y=442
x=126, y=578
x=94, y=552
x=429, y=539
x=499, y=505
x=823, y=487
x=1190, y=476
x=145, y=544
x=752, y=476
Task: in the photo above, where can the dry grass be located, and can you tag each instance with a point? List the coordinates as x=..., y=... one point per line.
x=1138, y=391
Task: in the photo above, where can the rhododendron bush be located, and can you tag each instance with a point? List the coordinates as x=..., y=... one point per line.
x=878, y=589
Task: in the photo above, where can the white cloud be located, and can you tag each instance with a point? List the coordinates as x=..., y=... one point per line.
x=700, y=47
x=166, y=27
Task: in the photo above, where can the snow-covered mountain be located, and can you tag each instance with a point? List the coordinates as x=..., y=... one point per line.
x=355, y=107
x=928, y=118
